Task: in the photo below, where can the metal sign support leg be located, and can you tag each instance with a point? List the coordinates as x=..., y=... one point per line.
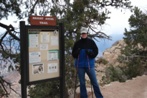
x=23, y=60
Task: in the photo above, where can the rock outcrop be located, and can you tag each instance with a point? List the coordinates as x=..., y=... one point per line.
x=111, y=54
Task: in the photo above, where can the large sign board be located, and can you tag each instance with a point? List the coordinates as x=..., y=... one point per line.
x=43, y=54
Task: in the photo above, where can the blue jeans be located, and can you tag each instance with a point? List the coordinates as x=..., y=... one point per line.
x=91, y=73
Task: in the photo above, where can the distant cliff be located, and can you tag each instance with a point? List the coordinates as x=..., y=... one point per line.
x=111, y=54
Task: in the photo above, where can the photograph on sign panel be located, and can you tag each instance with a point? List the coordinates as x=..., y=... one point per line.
x=38, y=68
x=53, y=55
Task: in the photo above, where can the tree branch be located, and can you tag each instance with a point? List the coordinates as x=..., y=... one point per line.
x=9, y=29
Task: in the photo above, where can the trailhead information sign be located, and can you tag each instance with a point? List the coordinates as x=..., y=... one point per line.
x=43, y=54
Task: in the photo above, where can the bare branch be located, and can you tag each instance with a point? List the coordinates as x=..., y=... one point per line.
x=9, y=29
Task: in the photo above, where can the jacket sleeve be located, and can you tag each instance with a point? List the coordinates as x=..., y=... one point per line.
x=94, y=52
x=75, y=51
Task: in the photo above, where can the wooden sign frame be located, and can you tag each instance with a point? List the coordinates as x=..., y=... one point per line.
x=51, y=74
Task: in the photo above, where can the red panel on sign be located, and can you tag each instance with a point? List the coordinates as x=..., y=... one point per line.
x=43, y=20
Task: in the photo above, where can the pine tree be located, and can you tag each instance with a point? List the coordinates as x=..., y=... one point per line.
x=136, y=48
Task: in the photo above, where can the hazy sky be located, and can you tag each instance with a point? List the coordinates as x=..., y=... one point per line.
x=119, y=19
x=117, y=23
x=114, y=25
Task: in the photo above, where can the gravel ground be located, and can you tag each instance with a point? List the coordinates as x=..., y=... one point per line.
x=135, y=88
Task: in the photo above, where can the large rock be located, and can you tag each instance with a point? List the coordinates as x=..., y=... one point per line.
x=111, y=54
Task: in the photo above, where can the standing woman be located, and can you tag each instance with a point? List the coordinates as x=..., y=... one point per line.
x=84, y=52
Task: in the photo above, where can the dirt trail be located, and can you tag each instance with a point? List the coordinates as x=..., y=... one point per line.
x=135, y=88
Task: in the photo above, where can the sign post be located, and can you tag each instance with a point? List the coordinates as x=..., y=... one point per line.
x=42, y=52
x=23, y=55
